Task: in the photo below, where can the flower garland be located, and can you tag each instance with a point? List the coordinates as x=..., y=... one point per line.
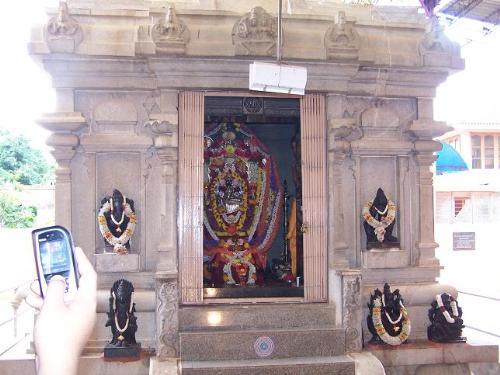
x=117, y=242
x=387, y=220
x=379, y=326
x=446, y=314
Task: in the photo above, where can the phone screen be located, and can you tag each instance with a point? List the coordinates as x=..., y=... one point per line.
x=55, y=258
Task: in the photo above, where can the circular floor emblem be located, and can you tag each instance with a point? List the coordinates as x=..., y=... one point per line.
x=264, y=346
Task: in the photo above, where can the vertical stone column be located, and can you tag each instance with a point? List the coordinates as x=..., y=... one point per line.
x=164, y=128
x=342, y=132
x=424, y=130
x=63, y=141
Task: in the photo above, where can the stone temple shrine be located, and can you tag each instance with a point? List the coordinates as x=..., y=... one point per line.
x=246, y=245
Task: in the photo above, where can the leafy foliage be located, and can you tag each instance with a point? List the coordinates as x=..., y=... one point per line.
x=14, y=215
x=21, y=163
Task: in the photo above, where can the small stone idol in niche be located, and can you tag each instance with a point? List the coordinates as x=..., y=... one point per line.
x=122, y=321
x=117, y=222
x=380, y=216
x=388, y=321
x=446, y=320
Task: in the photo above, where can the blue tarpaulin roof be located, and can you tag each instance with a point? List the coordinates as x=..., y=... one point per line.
x=449, y=161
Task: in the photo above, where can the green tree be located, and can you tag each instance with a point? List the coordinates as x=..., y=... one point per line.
x=14, y=215
x=21, y=163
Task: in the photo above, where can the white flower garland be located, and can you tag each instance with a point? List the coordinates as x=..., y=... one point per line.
x=379, y=226
x=454, y=308
x=379, y=326
x=238, y=258
x=117, y=242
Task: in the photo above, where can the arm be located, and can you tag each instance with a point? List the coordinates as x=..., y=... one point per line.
x=62, y=330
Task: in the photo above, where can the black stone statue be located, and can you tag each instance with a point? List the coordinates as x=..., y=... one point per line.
x=446, y=320
x=122, y=321
x=380, y=218
x=387, y=320
x=117, y=221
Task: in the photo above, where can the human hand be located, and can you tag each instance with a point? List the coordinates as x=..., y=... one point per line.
x=62, y=330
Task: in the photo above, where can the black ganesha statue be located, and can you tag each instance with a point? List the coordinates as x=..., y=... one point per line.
x=379, y=217
x=117, y=221
x=122, y=320
x=446, y=320
x=388, y=319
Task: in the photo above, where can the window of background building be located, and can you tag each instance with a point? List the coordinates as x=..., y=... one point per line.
x=485, y=151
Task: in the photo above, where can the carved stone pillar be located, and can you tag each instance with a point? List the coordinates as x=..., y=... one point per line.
x=164, y=128
x=425, y=130
x=167, y=322
x=64, y=140
x=352, y=312
x=343, y=131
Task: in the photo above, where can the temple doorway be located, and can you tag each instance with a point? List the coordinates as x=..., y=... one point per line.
x=252, y=198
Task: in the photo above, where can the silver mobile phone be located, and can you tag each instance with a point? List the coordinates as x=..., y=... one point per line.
x=53, y=247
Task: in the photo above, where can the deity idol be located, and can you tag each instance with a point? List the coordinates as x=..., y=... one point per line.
x=380, y=216
x=117, y=221
x=446, y=320
x=242, y=205
x=388, y=321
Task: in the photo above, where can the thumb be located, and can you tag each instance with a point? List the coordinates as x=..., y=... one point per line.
x=55, y=291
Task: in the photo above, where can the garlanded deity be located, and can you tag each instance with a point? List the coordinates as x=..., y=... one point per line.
x=122, y=321
x=446, y=320
x=388, y=321
x=117, y=221
x=242, y=205
x=379, y=217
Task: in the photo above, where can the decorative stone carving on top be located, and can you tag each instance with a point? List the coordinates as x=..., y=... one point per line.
x=255, y=33
x=63, y=33
x=345, y=129
x=435, y=48
x=170, y=34
x=342, y=40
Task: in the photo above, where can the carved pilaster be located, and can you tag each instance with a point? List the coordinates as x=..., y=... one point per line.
x=342, y=40
x=165, y=141
x=63, y=142
x=352, y=312
x=255, y=33
x=167, y=323
x=62, y=32
x=424, y=130
x=343, y=131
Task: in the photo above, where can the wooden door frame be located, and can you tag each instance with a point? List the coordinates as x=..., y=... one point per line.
x=314, y=197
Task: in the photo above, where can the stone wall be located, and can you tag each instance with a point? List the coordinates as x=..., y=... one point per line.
x=118, y=68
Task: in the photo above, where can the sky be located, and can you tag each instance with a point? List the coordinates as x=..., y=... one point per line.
x=470, y=95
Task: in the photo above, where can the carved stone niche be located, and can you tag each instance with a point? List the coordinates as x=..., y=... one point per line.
x=115, y=116
x=255, y=34
x=342, y=40
x=62, y=32
x=380, y=122
x=170, y=35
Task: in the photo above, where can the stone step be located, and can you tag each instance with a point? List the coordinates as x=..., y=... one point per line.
x=287, y=315
x=291, y=366
x=286, y=343
x=88, y=364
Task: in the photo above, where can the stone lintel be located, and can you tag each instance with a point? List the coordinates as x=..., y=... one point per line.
x=384, y=258
x=110, y=262
x=407, y=275
x=115, y=142
x=232, y=73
